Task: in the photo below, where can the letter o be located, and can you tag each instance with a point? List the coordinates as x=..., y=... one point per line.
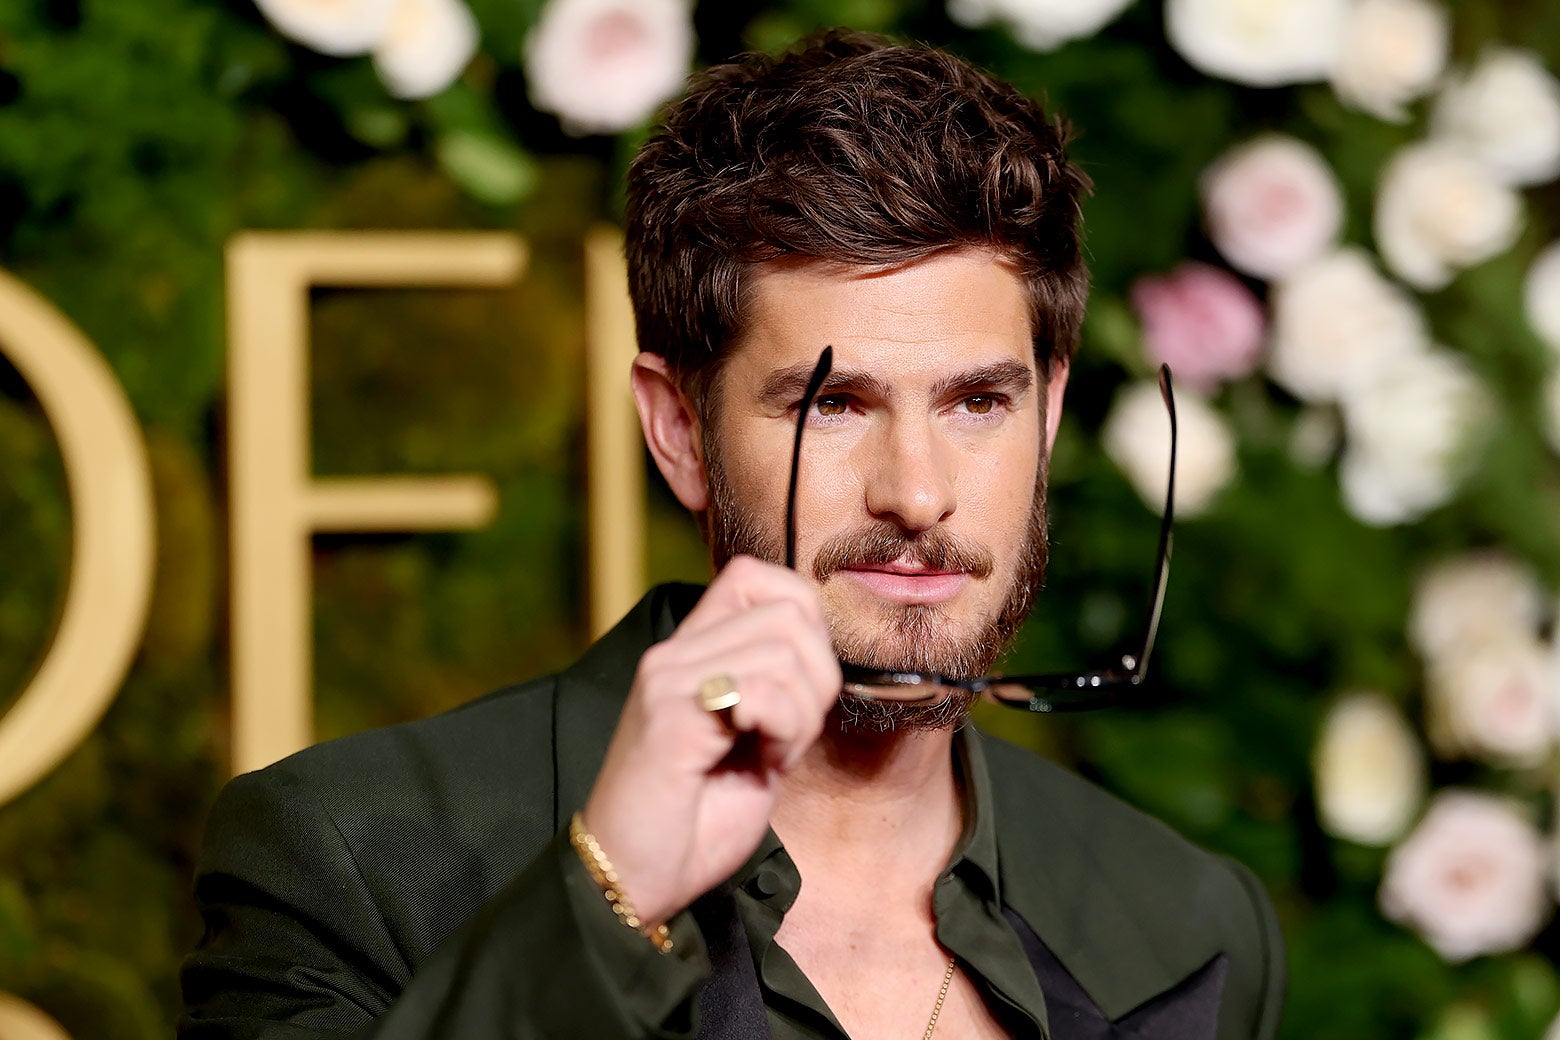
x=112, y=538
x=19, y=1020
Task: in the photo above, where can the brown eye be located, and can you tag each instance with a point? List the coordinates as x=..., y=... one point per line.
x=980, y=405
x=830, y=406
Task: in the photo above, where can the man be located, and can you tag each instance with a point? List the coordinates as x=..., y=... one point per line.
x=695, y=830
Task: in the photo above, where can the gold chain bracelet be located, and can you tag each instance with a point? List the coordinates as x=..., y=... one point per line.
x=601, y=872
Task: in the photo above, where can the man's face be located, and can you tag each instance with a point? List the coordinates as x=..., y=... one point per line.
x=920, y=506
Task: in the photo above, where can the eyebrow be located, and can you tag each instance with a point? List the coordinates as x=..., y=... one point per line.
x=1007, y=376
x=786, y=386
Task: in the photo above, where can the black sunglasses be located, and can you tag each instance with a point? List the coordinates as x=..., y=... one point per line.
x=1063, y=691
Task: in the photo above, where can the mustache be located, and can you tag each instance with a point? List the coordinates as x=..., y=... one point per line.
x=882, y=543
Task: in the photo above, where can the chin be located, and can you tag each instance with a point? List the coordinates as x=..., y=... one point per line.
x=918, y=638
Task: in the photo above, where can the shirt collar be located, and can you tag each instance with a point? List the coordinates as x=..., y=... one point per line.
x=975, y=856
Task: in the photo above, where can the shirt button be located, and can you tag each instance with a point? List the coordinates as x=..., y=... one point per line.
x=767, y=881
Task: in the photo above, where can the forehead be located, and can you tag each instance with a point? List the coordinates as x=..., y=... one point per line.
x=952, y=309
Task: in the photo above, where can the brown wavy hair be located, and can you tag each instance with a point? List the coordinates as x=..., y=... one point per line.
x=850, y=149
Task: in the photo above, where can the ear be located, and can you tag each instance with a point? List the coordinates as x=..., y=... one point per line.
x=671, y=428
x=1055, y=388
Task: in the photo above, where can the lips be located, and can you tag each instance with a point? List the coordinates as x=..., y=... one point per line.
x=908, y=583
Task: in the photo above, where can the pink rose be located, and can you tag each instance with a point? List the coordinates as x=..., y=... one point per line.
x=1272, y=205
x=1470, y=879
x=1202, y=322
x=604, y=66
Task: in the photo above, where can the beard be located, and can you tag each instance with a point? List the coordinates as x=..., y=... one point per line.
x=899, y=637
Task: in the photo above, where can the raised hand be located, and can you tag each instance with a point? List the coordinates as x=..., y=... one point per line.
x=682, y=800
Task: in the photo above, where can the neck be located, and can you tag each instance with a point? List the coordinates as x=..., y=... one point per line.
x=887, y=799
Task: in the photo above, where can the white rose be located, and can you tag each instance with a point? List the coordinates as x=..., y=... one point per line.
x=1438, y=210
x=606, y=65
x=1541, y=292
x=337, y=27
x=1261, y=43
x=427, y=45
x=1337, y=324
x=1472, y=599
x=1370, y=770
x=1136, y=436
x=1494, y=701
x=1470, y=878
x=1041, y=24
x=1506, y=113
x=1393, y=52
x=1410, y=437
x=1272, y=205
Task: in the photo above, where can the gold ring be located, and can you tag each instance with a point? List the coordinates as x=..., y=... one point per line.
x=718, y=695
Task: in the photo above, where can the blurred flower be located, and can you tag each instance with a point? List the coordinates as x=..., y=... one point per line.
x=1370, y=770
x=1337, y=324
x=1136, y=436
x=605, y=65
x=1472, y=599
x=1262, y=43
x=1470, y=878
x=1041, y=24
x=1438, y=210
x=428, y=44
x=337, y=27
x=1494, y=701
x=1506, y=113
x=1272, y=205
x=1393, y=52
x=1541, y=290
x=1202, y=322
x=1410, y=437
x=1315, y=437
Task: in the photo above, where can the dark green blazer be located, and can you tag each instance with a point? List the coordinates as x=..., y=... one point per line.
x=412, y=882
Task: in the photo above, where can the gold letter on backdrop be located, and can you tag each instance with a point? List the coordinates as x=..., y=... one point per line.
x=112, y=543
x=276, y=503
x=616, y=468
x=19, y=1020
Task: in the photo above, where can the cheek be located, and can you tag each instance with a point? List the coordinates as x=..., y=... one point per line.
x=997, y=492
x=756, y=466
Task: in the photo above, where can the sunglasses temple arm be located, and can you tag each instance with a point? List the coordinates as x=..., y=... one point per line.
x=1166, y=540
x=814, y=384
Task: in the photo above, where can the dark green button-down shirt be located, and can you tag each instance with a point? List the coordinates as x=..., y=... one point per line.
x=966, y=902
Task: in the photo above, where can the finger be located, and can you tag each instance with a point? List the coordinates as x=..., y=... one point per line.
x=768, y=709
x=807, y=666
x=748, y=582
x=776, y=699
x=782, y=623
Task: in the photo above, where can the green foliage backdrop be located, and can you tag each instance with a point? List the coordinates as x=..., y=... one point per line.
x=135, y=137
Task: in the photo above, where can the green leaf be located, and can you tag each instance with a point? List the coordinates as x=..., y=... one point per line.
x=489, y=168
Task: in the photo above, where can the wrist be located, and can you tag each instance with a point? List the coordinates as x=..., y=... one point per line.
x=612, y=887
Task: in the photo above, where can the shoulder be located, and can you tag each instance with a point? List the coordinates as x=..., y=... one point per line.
x=412, y=825
x=1135, y=906
x=1099, y=825
x=501, y=740
x=491, y=742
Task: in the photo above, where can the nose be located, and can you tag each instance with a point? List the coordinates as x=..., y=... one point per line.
x=910, y=477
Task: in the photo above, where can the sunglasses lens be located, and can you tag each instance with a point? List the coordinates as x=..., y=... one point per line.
x=1012, y=693
x=901, y=689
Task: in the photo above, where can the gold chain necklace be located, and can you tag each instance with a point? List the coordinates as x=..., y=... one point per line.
x=942, y=995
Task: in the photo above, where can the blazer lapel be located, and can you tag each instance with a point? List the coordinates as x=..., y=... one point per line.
x=1083, y=892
